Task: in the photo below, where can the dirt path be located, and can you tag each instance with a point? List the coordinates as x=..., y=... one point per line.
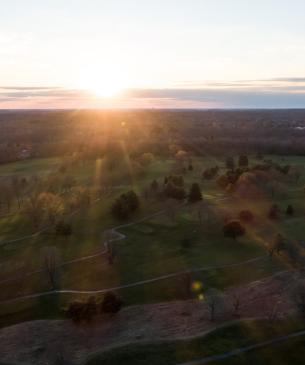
x=37, y=342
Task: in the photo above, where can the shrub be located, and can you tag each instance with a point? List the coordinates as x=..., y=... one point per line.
x=111, y=304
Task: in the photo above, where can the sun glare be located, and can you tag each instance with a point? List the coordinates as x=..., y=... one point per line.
x=106, y=90
x=103, y=86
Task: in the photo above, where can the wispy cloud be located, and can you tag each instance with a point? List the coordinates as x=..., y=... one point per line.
x=284, y=92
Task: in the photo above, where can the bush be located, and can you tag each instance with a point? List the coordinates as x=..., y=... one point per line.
x=111, y=304
x=246, y=216
x=233, y=230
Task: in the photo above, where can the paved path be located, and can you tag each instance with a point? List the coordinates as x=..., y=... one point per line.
x=131, y=285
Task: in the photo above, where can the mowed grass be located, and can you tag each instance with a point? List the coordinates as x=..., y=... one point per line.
x=219, y=341
x=30, y=167
x=151, y=249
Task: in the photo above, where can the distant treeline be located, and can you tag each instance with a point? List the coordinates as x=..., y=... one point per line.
x=26, y=134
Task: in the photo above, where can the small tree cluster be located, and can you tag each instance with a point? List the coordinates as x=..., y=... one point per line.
x=125, y=205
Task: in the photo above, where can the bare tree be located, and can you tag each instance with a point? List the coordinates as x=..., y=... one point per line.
x=215, y=302
x=298, y=295
x=236, y=300
x=52, y=206
x=51, y=261
x=34, y=209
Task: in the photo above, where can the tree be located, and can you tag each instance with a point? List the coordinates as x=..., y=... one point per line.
x=214, y=301
x=154, y=186
x=278, y=243
x=181, y=156
x=34, y=209
x=299, y=297
x=173, y=191
x=51, y=264
x=17, y=188
x=273, y=211
x=111, y=303
x=233, y=230
x=63, y=229
x=190, y=167
x=236, y=300
x=195, y=193
x=246, y=216
x=147, y=159
x=125, y=205
x=290, y=210
x=132, y=200
x=230, y=163
x=52, y=206
x=79, y=311
x=223, y=181
x=243, y=161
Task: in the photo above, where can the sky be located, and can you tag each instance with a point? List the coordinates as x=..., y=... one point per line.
x=152, y=54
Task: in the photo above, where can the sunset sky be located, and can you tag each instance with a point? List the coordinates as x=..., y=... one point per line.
x=152, y=54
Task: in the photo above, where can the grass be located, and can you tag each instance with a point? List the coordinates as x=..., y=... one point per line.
x=151, y=249
x=217, y=342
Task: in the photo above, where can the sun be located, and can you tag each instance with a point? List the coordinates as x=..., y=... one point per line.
x=104, y=89
x=109, y=85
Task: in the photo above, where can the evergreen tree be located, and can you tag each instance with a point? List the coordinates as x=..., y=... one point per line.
x=195, y=193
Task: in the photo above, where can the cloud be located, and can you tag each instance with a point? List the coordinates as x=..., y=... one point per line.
x=270, y=93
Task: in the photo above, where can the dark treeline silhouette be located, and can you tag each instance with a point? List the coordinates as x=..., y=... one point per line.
x=29, y=134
